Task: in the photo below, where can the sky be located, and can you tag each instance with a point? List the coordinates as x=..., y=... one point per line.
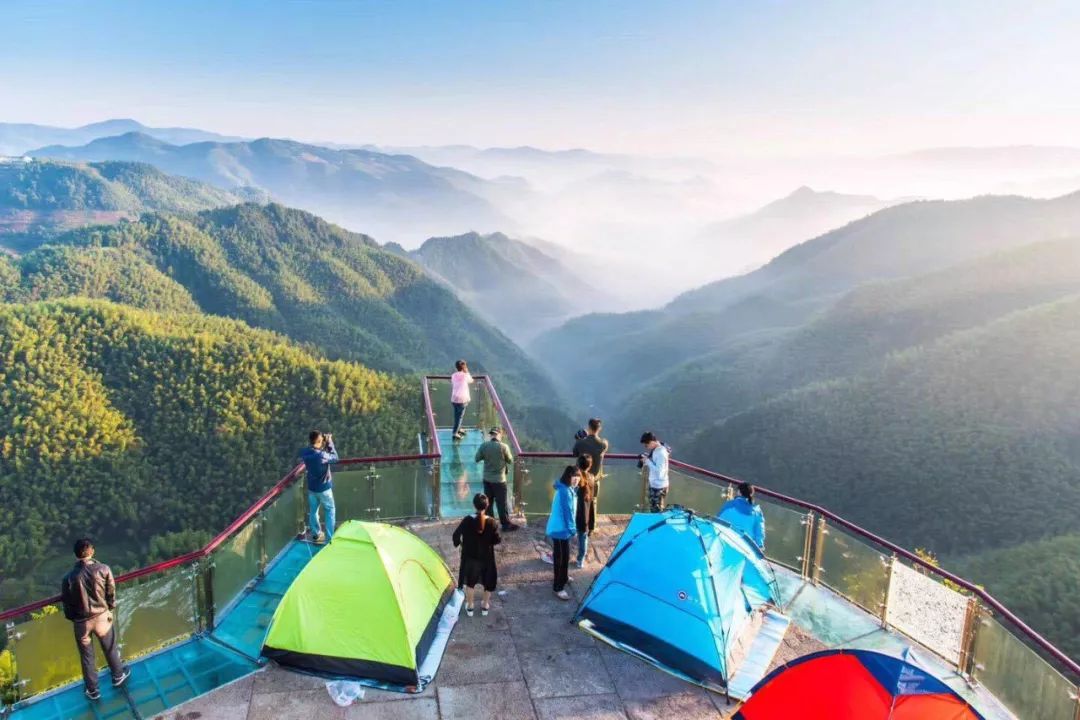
x=741, y=78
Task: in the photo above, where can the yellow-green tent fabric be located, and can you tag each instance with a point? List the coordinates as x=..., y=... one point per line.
x=366, y=606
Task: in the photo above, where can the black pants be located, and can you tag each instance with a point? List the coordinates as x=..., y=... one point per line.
x=102, y=628
x=560, y=553
x=496, y=492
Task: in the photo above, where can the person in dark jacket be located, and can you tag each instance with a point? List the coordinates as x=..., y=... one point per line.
x=317, y=458
x=561, y=527
x=477, y=535
x=88, y=593
x=585, y=517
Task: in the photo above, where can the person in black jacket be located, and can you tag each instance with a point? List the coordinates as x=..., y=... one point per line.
x=89, y=596
x=477, y=535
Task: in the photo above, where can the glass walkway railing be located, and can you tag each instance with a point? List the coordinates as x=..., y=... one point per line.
x=196, y=622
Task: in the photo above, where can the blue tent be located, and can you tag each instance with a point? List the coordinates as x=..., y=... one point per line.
x=677, y=591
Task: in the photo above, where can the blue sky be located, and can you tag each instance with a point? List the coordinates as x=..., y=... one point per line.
x=669, y=77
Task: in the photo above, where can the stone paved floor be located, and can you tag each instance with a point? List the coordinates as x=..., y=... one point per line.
x=525, y=661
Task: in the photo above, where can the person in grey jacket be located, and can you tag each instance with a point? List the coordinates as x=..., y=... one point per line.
x=88, y=593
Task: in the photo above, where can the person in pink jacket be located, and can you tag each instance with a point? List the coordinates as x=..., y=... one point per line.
x=459, y=395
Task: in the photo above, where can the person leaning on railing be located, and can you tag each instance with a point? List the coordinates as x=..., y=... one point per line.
x=88, y=593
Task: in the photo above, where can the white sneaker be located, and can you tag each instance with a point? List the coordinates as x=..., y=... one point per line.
x=562, y=595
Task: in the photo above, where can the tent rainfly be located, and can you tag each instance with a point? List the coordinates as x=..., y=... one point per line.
x=853, y=685
x=681, y=591
x=367, y=607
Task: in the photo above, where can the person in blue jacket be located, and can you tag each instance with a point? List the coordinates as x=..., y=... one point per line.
x=562, y=526
x=744, y=515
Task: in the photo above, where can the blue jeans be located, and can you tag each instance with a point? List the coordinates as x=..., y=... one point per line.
x=459, y=413
x=582, y=546
x=326, y=500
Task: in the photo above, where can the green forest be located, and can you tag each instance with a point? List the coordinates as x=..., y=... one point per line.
x=131, y=426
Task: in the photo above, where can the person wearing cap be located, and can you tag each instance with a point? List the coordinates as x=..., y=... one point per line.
x=495, y=454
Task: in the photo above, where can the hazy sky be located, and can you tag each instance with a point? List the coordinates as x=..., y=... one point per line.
x=742, y=77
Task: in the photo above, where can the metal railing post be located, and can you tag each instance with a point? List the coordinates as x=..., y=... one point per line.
x=436, y=489
x=966, y=660
x=260, y=532
x=808, y=544
x=208, y=594
x=373, y=506
x=890, y=563
x=518, y=488
x=819, y=550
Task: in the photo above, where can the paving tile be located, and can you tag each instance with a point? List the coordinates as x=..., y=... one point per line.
x=589, y=707
x=229, y=702
x=637, y=679
x=469, y=660
x=539, y=621
x=374, y=695
x=416, y=708
x=491, y=701
x=276, y=679
x=306, y=704
x=565, y=672
x=689, y=705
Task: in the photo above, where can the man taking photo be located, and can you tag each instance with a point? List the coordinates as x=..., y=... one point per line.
x=317, y=458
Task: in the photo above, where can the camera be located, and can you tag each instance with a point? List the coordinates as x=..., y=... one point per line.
x=641, y=460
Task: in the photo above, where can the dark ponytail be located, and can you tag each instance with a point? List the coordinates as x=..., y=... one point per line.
x=747, y=491
x=480, y=502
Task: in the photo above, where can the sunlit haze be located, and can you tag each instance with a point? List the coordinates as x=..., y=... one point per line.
x=720, y=78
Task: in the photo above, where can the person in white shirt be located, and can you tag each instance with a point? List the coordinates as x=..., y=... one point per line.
x=459, y=395
x=656, y=459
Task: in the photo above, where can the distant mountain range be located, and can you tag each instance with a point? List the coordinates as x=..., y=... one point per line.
x=38, y=199
x=515, y=285
x=394, y=197
x=751, y=240
x=19, y=138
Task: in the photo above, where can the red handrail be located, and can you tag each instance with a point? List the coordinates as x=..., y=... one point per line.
x=221, y=537
x=502, y=415
x=986, y=597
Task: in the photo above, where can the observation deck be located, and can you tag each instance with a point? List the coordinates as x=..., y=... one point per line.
x=192, y=627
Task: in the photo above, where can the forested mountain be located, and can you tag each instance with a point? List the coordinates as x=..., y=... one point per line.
x=1038, y=580
x=516, y=286
x=394, y=197
x=970, y=442
x=18, y=138
x=42, y=197
x=131, y=425
x=753, y=239
x=855, y=334
x=900, y=241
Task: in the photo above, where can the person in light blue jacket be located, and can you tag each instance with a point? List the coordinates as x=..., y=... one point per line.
x=744, y=515
x=562, y=526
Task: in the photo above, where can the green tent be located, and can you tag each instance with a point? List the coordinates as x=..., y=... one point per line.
x=367, y=606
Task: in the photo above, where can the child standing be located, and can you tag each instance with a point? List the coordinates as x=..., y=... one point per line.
x=585, y=518
x=562, y=526
x=477, y=535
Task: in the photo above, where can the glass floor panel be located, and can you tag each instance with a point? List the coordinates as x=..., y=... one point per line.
x=461, y=476
x=188, y=669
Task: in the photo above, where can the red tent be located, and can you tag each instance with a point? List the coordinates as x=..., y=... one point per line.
x=853, y=685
